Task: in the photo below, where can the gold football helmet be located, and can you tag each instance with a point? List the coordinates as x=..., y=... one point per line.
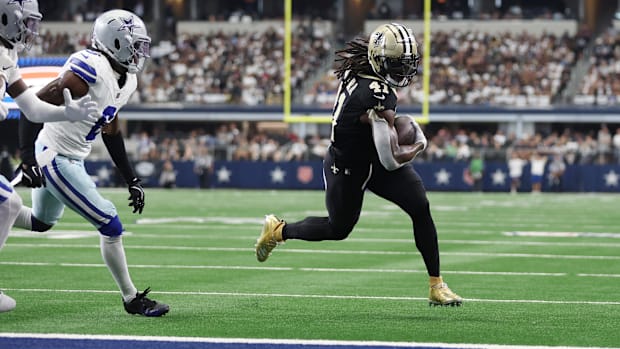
x=393, y=54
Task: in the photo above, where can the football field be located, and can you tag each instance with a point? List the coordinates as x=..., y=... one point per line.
x=539, y=270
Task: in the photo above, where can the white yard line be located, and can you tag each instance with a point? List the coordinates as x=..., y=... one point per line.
x=600, y=275
x=74, y=234
x=243, y=267
x=315, y=296
x=292, y=342
x=318, y=251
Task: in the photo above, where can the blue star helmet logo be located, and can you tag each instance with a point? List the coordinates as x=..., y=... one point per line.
x=20, y=2
x=127, y=24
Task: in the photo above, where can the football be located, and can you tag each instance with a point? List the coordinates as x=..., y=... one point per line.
x=405, y=129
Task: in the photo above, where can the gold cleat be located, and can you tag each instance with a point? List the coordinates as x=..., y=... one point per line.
x=441, y=294
x=270, y=237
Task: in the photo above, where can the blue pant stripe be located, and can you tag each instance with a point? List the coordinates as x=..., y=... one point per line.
x=6, y=187
x=78, y=194
x=76, y=207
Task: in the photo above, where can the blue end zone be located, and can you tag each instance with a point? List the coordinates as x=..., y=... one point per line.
x=45, y=343
x=50, y=341
x=80, y=341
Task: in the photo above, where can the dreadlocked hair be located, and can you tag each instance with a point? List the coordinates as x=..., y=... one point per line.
x=353, y=57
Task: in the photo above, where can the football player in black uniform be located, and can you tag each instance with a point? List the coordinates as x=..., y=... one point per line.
x=364, y=153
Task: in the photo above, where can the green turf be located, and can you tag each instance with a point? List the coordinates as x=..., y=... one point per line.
x=529, y=290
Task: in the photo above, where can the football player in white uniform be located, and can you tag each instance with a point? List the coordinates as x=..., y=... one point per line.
x=107, y=72
x=20, y=22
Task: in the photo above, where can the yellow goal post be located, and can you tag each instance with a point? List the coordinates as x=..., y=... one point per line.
x=289, y=117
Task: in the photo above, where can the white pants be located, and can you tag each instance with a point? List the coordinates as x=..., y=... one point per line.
x=68, y=184
x=10, y=204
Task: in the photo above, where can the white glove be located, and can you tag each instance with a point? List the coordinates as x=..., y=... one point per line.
x=81, y=109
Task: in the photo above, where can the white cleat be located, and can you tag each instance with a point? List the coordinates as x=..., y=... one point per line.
x=6, y=303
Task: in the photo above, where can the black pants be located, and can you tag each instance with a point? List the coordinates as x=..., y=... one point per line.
x=345, y=187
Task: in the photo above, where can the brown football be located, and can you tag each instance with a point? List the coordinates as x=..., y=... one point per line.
x=405, y=130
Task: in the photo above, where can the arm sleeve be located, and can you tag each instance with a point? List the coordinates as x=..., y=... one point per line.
x=28, y=132
x=116, y=147
x=381, y=137
x=37, y=110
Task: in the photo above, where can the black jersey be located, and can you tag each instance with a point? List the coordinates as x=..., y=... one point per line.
x=352, y=139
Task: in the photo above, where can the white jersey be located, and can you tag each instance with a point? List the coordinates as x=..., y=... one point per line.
x=74, y=139
x=515, y=167
x=8, y=64
x=538, y=165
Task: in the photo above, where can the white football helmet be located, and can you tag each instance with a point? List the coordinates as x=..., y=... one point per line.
x=122, y=35
x=19, y=22
x=393, y=54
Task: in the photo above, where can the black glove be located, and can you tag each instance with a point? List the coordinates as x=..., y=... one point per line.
x=32, y=175
x=136, y=195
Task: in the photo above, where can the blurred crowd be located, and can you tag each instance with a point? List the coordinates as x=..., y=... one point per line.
x=241, y=68
x=468, y=68
x=601, y=84
x=229, y=141
x=475, y=68
x=554, y=149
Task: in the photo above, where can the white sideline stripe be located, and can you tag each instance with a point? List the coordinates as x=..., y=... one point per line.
x=236, y=227
x=242, y=267
x=489, y=242
x=507, y=273
x=74, y=234
x=317, y=296
x=563, y=234
x=355, y=252
x=300, y=342
x=147, y=266
x=259, y=220
x=210, y=219
x=601, y=275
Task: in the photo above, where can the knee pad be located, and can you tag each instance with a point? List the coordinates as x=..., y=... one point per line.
x=113, y=228
x=39, y=226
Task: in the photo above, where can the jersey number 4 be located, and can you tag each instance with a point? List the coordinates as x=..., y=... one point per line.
x=107, y=116
x=379, y=90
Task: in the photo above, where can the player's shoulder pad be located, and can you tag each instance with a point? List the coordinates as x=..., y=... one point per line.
x=84, y=64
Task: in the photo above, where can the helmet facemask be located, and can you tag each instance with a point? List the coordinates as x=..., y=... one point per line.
x=138, y=51
x=20, y=23
x=29, y=30
x=399, y=72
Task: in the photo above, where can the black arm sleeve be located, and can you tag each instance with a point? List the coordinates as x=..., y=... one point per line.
x=28, y=132
x=116, y=147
